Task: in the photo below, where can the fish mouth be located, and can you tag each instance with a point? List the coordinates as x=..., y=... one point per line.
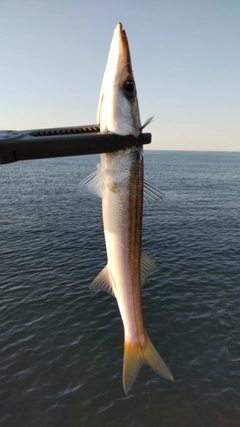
x=124, y=52
x=118, y=110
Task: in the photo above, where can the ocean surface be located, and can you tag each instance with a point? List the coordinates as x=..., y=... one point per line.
x=61, y=345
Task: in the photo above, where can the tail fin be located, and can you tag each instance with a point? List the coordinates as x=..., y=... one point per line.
x=135, y=356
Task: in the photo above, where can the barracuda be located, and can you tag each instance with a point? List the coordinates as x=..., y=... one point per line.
x=119, y=181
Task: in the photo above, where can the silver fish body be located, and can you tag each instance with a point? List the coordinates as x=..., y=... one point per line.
x=119, y=181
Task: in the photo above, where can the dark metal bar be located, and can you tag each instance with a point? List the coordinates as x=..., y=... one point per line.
x=60, y=142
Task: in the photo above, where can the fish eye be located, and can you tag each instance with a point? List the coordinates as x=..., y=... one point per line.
x=129, y=88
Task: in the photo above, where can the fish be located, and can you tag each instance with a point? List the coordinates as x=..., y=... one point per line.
x=119, y=181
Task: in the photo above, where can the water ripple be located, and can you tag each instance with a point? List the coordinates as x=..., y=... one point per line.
x=61, y=346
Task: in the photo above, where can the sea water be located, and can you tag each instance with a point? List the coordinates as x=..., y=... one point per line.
x=61, y=345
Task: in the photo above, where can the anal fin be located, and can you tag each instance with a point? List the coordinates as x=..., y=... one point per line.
x=103, y=281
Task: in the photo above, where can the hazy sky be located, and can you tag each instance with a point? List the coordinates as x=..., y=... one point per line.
x=185, y=55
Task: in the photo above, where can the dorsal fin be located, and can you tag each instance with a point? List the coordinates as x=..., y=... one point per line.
x=104, y=279
x=151, y=193
x=148, y=266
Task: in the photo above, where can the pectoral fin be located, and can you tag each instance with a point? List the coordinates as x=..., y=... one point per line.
x=146, y=123
x=92, y=184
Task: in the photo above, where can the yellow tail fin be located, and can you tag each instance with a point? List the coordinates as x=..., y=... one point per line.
x=135, y=356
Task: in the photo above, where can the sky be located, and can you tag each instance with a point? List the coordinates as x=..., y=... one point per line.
x=185, y=57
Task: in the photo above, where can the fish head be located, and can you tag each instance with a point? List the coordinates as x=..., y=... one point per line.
x=118, y=110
